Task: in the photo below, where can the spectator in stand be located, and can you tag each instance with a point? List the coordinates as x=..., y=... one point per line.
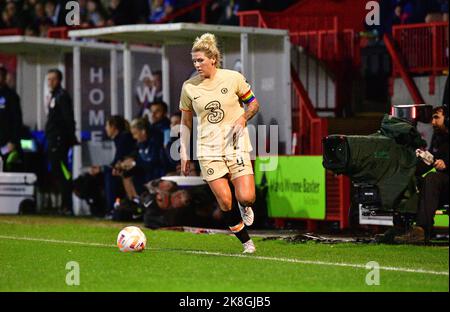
x=229, y=11
x=160, y=9
x=31, y=31
x=83, y=10
x=120, y=13
x=398, y=18
x=191, y=17
x=403, y=12
x=40, y=22
x=50, y=11
x=28, y=10
x=10, y=16
x=437, y=11
x=95, y=15
x=444, y=10
x=141, y=10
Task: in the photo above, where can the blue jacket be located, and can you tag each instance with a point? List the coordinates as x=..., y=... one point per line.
x=148, y=157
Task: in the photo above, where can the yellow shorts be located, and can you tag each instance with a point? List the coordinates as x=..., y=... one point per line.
x=235, y=167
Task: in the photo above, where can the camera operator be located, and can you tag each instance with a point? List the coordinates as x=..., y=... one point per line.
x=435, y=185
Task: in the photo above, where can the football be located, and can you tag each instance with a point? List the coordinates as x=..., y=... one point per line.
x=131, y=238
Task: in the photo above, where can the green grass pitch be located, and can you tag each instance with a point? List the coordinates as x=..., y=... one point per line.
x=34, y=252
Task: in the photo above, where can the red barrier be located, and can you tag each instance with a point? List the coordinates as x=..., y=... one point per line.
x=62, y=32
x=251, y=19
x=422, y=47
x=202, y=5
x=284, y=21
x=338, y=199
x=309, y=127
x=321, y=37
x=401, y=68
x=327, y=45
x=11, y=32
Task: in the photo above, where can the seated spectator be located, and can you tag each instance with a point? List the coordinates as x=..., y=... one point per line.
x=10, y=16
x=444, y=10
x=117, y=129
x=159, y=10
x=50, y=11
x=28, y=10
x=229, y=13
x=119, y=12
x=140, y=10
x=172, y=156
x=437, y=11
x=94, y=13
x=434, y=17
x=145, y=163
x=159, y=120
x=31, y=31
x=40, y=21
x=403, y=13
x=397, y=19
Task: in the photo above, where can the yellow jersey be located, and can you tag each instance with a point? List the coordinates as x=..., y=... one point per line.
x=218, y=103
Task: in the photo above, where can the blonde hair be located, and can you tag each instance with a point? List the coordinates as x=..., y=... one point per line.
x=207, y=44
x=141, y=124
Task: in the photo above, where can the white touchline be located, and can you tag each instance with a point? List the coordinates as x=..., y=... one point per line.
x=209, y=253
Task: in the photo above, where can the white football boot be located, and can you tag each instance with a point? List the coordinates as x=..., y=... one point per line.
x=249, y=247
x=247, y=214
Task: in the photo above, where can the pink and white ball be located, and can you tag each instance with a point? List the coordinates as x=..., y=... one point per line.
x=131, y=238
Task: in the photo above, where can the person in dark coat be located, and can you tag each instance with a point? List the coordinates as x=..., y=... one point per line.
x=117, y=129
x=10, y=118
x=144, y=164
x=60, y=135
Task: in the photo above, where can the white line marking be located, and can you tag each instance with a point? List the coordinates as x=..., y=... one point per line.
x=209, y=253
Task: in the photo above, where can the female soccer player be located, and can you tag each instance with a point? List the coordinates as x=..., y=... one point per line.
x=217, y=97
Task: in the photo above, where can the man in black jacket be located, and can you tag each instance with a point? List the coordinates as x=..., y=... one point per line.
x=60, y=134
x=435, y=185
x=10, y=117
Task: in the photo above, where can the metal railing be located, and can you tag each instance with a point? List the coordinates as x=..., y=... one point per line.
x=283, y=21
x=202, y=5
x=309, y=127
x=422, y=47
